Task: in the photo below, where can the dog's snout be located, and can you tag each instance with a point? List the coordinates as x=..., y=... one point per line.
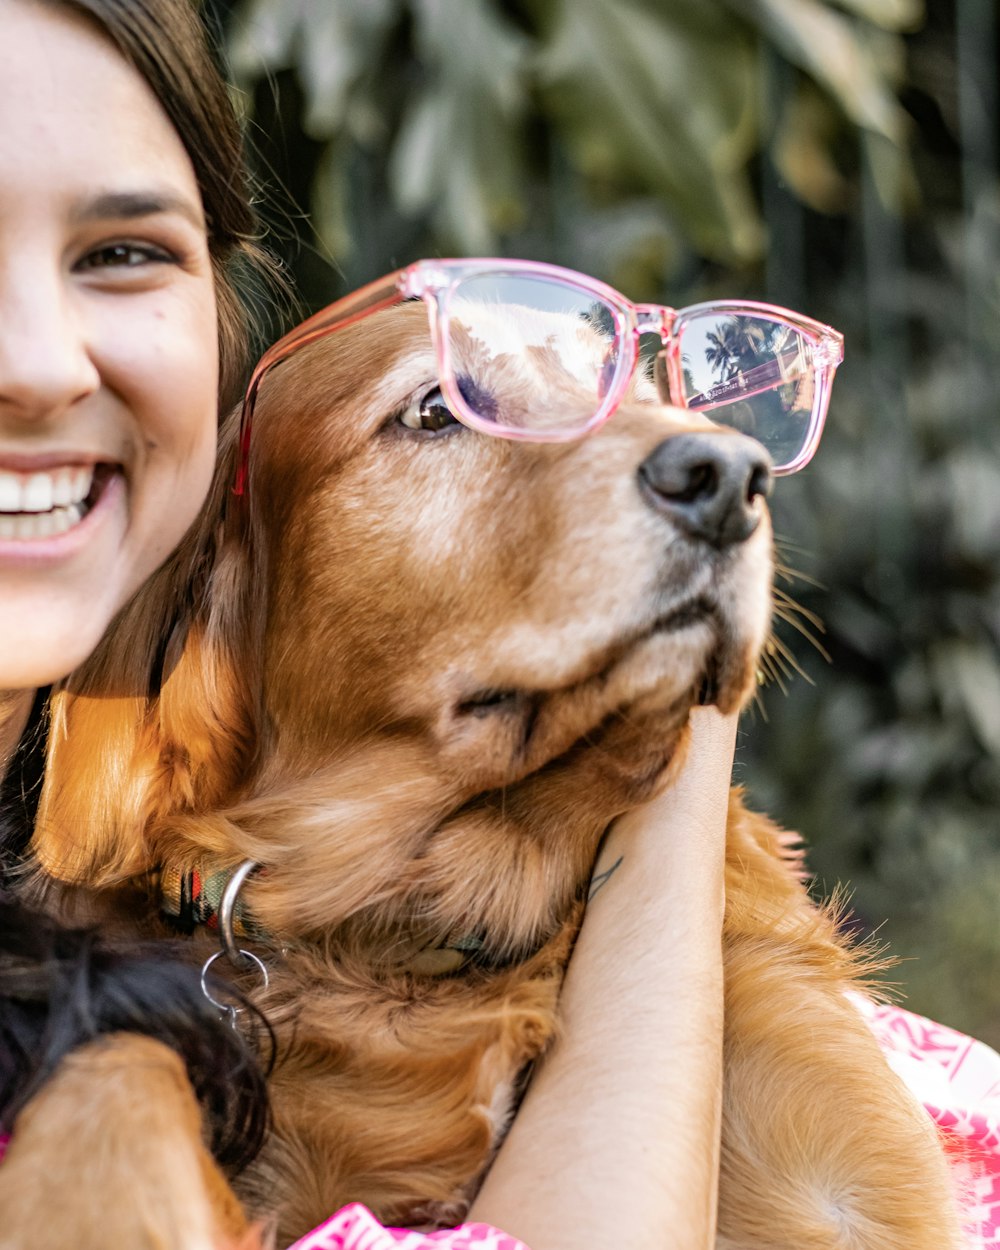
x=708, y=484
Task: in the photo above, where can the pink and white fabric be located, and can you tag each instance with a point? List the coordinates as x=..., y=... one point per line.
x=355, y=1228
x=958, y=1081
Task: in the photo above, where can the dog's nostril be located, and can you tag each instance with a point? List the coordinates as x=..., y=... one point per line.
x=759, y=486
x=702, y=481
x=708, y=484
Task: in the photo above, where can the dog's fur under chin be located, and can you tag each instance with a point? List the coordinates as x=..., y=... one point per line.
x=415, y=676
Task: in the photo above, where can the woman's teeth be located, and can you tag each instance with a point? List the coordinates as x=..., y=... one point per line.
x=43, y=504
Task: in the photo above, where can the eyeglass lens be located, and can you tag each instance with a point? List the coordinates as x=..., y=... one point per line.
x=753, y=373
x=532, y=353
x=535, y=353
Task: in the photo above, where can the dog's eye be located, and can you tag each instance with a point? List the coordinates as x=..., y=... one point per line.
x=430, y=412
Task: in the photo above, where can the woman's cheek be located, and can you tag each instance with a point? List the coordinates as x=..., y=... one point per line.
x=175, y=409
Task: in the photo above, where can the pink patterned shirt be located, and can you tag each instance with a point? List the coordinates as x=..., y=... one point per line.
x=958, y=1081
x=355, y=1228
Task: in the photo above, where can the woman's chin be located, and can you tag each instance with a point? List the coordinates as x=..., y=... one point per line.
x=39, y=653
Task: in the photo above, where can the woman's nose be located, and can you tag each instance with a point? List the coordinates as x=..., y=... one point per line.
x=46, y=364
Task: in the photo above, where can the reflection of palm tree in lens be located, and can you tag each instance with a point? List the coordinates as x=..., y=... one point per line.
x=737, y=345
x=744, y=350
x=721, y=352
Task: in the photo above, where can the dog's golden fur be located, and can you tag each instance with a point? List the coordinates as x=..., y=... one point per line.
x=416, y=679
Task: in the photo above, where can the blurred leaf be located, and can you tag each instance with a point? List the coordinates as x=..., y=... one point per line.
x=263, y=37
x=635, y=240
x=974, y=485
x=331, y=43
x=971, y=674
x=892, y=174
x=901, y=15
x=457, y=151
x=828, y=47
x=802, y=152
x=331, y=201
x=662, y=96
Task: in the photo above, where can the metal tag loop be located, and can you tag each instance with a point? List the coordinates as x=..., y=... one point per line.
x=245, y=957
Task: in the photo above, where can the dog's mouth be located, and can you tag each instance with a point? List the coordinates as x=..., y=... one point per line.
x=708, y=689
x=626, y=709
x=697, y=611
x=693, y=612
x=679, y=660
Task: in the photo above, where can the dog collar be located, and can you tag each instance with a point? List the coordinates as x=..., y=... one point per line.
x=195, y=897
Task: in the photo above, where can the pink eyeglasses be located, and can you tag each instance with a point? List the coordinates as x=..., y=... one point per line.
x=536, y=352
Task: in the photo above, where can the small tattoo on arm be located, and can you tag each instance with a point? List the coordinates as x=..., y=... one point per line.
x=602, y=878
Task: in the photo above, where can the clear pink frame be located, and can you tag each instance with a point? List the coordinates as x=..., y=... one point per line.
x=433, y=281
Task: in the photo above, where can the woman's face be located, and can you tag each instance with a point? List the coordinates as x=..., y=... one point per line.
x=108, y=357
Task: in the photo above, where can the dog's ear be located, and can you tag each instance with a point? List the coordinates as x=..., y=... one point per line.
x=208, y=718
x=165, y=714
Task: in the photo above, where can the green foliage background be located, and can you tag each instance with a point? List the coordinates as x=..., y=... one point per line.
x=837, y=156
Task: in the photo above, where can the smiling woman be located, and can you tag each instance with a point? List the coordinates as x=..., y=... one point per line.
x=123, y=208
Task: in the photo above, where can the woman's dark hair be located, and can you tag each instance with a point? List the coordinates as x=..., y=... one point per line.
x=166, y=42
x=61, y=988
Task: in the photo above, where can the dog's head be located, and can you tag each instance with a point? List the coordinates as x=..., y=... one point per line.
x=501, y=599
x=491, y=617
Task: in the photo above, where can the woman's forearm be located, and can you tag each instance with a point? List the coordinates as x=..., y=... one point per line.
x=616, y=1143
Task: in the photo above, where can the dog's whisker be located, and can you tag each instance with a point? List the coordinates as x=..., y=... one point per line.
x=790, y=617
x=785, y=600
x=783, y=655
x=772, y=674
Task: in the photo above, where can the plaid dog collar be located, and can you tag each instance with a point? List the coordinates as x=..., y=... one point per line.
x=191, y=897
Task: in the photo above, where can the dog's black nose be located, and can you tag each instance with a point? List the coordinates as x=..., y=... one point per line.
x=708, y=484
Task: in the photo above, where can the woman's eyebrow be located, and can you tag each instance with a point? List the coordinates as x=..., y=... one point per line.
x=134, y=204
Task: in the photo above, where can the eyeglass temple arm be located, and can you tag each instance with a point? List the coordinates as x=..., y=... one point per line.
x=342, y=312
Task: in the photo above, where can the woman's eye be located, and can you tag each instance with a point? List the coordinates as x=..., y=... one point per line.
x=123, y=256
x=430, y=412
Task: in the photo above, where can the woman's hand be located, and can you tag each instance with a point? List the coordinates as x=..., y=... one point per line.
x=617, y=1141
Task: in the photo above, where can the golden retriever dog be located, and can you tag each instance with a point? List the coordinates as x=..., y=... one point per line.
x=413, y=678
